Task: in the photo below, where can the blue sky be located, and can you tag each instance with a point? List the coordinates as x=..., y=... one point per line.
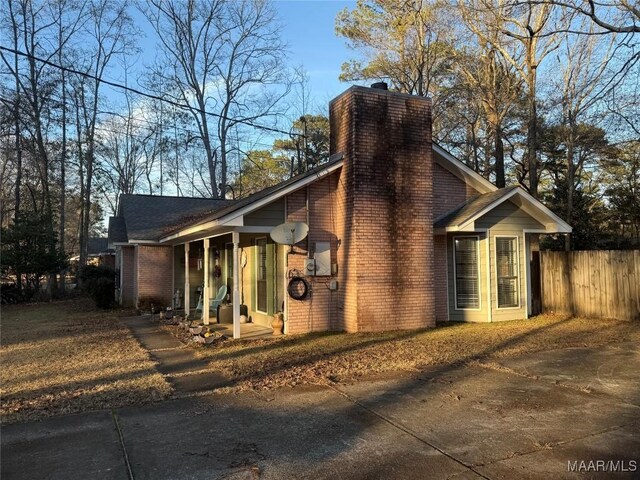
x=309, y=31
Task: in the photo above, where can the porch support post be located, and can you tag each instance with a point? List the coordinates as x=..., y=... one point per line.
x=205, y=294
x=235, y=237
x=186, y=280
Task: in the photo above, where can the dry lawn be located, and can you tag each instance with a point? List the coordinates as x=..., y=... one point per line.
x=317, y=358
x=65, y=357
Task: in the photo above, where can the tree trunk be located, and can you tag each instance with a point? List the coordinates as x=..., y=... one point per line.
x=499, y=155
x=18, y=143
x=570, y=190
x=532, y=141
x=86, y=201
x=81, y=160
x=63, y=180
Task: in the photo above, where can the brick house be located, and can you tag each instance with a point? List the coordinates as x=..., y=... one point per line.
x=402, y=233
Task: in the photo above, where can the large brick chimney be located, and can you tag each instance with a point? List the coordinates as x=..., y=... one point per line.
x=385, y=216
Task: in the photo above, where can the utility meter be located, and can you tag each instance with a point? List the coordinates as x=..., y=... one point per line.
x=310, y=266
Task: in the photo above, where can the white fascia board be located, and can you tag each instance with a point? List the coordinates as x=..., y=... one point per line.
x=204, y=227
x=237, y=218
x=470, y=227
x=562, y=226
x=460, y=170
x=152, y=242
x=553, y=227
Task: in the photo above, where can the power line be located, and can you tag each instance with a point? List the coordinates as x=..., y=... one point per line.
x=140, y=92
x=135, y=120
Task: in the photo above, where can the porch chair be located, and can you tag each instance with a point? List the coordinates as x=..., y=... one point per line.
x=219, y=298
x=213, y=302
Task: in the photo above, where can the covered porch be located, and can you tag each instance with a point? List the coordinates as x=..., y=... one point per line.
x=239, y=273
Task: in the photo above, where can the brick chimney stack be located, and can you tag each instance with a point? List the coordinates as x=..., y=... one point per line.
x=385, y=212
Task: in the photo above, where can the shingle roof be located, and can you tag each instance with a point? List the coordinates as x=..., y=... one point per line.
x=96, y=245
x=117, y=231
x=471, y=208
x=146, y=217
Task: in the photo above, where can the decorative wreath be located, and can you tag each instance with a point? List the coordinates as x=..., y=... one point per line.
x=298, y=288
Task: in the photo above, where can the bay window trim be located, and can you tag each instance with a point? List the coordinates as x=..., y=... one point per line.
x=518, y=277
x=455, y=274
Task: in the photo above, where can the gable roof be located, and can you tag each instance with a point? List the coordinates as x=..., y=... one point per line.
x=246, y=205
x=462, y=217
x=146, y=217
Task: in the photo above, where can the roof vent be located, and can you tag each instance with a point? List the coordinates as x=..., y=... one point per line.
x=380, y=86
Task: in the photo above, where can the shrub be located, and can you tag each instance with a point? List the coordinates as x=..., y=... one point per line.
x=100, y=284
x=10, y=294
x=145, y=303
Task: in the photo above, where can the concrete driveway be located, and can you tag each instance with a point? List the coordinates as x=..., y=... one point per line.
x=534, y=416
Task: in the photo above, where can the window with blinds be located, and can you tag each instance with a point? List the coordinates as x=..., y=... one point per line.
x=466, y=271
x=261, y=275
x=507, y=271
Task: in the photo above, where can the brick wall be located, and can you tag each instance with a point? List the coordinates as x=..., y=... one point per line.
x=440, y=276
x=385, y=203
x=448, y=191
x=127, y=294
x=155, y=272
x=319, y=311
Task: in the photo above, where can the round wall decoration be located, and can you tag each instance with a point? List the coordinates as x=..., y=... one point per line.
x=298, y=288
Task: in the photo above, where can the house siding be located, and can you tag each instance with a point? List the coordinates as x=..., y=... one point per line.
x=440, y=275
x=508, y=217
x=269, y=215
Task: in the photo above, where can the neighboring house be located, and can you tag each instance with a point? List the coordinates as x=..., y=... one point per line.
x=98, y=253
x=403, y=234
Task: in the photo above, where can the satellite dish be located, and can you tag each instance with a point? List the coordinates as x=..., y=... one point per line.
x=289, y=233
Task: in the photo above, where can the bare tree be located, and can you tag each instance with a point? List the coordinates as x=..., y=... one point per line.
x=110, y=33
x=120, y=159
x=496, y=88
x=621, y=16
x=39, y=30
x=584, y=68
x=524, y=35
x=221, y=59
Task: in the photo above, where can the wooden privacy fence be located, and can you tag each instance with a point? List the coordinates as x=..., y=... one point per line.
x=604, y=283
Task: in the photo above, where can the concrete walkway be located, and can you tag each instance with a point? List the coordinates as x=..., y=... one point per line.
x=529, y=417
x=177, y=363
